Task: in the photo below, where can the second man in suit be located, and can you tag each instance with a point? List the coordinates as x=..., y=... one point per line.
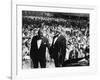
x=58, y=49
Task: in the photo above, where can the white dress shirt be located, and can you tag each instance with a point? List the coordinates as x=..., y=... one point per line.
x=39, y=43
x=56, y=39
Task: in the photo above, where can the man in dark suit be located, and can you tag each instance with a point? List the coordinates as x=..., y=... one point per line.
x=38, y=50
x=58, y=49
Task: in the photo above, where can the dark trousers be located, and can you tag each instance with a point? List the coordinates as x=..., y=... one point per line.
x=37, y=61
x=59, y=61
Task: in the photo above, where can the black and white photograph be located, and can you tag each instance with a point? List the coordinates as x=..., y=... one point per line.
x=50, y=40
x=55, y=39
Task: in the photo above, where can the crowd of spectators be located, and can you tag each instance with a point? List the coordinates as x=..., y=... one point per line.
x=76, y=32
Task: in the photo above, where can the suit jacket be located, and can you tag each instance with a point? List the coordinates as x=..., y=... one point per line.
x=36, y=52
x=59, y=47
